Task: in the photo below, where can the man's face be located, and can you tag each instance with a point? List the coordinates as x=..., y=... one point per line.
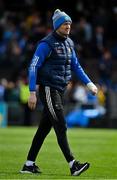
x=64, y=29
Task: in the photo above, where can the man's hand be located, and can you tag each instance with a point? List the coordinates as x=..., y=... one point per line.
x=32, y=100
x=92, y=88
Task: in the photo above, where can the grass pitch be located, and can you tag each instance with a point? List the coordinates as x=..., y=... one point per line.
x=99, y=147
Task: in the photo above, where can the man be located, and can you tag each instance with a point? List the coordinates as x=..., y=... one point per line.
x=54, y=59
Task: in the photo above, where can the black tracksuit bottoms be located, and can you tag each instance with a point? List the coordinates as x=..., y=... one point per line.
x=53, y=116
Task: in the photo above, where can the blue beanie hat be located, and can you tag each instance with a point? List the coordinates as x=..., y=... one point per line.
x=59, y=18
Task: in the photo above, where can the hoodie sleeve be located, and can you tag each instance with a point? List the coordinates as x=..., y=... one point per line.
x=76, y=67
x=42, y=52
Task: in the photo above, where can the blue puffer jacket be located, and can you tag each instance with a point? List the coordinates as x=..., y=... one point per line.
x=56, y=70
x=52, y=63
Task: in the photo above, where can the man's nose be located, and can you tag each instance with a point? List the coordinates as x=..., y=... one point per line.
x=68, y=26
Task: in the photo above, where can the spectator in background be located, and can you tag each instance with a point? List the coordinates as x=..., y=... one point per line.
x=54, y=59
x=3, y=85
x=101, y=95
x=48, y=21
x=24, y=95
x=100, y=17
x=12, y=92
x=82, y=31
x=98, y=41
x=83, y=35
x=105, y=68
x=80, y=94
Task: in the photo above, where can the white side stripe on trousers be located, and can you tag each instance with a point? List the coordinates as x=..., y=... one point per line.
x=49, y=102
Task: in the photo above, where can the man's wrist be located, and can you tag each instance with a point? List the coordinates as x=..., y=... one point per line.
x=90, y=85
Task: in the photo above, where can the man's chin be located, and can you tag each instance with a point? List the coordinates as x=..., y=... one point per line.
x=66, y=34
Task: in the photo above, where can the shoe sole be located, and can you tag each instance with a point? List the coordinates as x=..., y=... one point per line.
x=29, y=172
x=26, y=172
x=84, y=168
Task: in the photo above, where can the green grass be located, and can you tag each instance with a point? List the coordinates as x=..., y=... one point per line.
x=99, y=147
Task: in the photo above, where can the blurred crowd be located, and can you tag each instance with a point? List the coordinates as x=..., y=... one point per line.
x=77, y=96
x=24, y=23
x=93, y=30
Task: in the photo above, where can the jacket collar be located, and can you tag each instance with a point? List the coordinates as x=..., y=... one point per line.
x=57, y=36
